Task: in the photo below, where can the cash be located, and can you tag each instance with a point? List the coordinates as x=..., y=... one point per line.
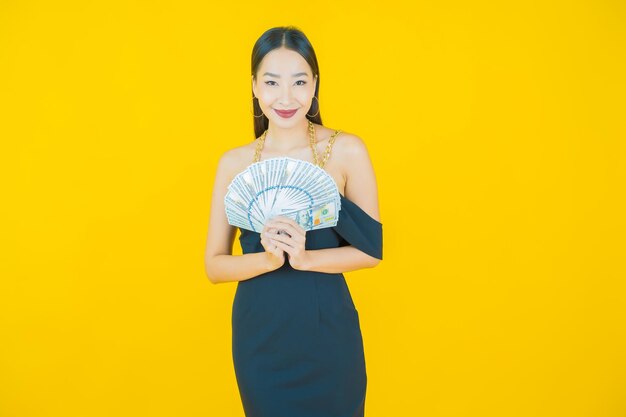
x=282, y=186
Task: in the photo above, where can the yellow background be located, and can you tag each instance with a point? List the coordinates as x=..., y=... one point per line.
x=497, y=134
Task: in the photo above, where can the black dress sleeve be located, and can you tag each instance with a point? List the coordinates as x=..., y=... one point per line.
x=359, y=229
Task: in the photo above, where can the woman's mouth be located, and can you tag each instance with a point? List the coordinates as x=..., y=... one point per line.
x=286, y=113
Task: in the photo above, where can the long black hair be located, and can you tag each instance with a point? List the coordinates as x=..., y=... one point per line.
x=292, y=38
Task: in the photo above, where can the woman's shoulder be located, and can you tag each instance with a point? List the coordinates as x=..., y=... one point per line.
x=235, y=159
x=347, y=143
x=241, y=150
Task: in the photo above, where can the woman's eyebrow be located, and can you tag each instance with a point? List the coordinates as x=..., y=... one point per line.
x=278, y=76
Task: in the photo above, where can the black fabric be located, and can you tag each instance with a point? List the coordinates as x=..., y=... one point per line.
x=296, y=340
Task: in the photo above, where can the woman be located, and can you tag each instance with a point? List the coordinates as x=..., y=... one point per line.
x=297, y=344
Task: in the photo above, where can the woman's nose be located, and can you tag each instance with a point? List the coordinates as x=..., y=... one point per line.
x=285, y=95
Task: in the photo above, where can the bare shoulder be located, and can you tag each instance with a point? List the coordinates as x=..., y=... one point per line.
x=235, y=159
x=350, y=146
x=360, y=178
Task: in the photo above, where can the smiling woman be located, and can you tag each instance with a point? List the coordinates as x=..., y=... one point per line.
x=286, y=63
x=269, y=95
x=296, y=338
x=283, y=90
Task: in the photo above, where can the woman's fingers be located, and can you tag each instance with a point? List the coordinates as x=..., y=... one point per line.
x=289, y=226
x=285, y=248
x=285, y=239
x=270, y=245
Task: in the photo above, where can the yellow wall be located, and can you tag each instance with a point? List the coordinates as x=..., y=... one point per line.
x=498, y=136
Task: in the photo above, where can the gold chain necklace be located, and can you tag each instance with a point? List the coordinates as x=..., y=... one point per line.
x=312, y=142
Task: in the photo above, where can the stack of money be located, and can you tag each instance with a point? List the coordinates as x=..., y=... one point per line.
x=282, y=186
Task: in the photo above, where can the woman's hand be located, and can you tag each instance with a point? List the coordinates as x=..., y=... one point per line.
x=290, y=237
x=275, y=254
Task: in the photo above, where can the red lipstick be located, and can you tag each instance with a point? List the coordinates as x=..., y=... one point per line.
x=286, y=113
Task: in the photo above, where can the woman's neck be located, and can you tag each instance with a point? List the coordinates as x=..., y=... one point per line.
x=285, y=140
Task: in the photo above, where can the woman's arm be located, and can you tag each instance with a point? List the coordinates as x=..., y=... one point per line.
x=337, y=260
x=219, y=263
x=232, y=268
x=361, y=185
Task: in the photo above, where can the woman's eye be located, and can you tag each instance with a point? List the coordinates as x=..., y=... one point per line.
x=274, y=82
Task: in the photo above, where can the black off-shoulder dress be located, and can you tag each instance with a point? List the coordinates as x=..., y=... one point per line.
x=296, y=339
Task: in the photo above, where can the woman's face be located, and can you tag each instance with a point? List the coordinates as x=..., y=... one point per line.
x=284, y=81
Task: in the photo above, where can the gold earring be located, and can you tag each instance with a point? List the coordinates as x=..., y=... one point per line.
x=318, y=108
x=261, y=115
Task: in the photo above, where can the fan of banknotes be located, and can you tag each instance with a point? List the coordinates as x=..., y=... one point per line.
x=283, y=186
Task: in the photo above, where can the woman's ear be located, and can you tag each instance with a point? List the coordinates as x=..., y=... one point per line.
x=253, y=86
